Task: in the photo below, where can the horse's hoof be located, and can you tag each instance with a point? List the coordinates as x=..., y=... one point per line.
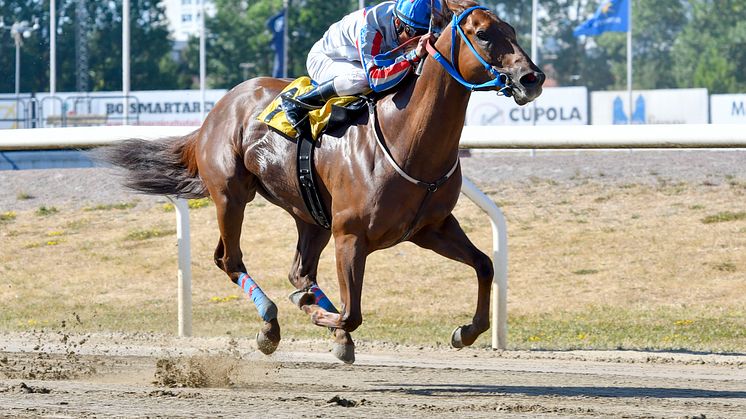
x=302, y=298
x=265, y=345
x=344, y=352
x=268, y=337
x=456, y=340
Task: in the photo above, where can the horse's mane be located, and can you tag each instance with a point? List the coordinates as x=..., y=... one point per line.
x=442, y=18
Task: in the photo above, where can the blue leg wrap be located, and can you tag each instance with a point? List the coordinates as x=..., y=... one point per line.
x=266, y=308
x=322, y=300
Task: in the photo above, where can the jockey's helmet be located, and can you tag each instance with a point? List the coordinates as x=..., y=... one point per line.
x=415, y=13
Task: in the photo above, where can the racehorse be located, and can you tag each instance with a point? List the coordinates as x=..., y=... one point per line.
x=392, y=176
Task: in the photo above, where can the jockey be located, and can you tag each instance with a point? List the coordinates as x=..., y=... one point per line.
x=355, y=54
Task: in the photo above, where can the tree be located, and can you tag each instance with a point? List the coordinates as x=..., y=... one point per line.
x=711, y=51
x=32, y=49
x=309, y=19
x=656, y=24
x=151, y=64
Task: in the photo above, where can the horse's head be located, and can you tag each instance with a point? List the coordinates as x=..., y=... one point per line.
x=484, y=51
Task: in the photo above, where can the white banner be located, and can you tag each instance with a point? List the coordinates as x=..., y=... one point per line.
x=555, y=106
x=146, y=107
x=728, y=109
x=667, y=106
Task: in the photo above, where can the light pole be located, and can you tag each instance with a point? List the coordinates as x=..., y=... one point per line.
x=18, y=31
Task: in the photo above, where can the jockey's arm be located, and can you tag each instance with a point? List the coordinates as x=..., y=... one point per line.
x=384, y=70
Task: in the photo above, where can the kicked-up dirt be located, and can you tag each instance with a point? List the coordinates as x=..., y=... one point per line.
x=53, y=375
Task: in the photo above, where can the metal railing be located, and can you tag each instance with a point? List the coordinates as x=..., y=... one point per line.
x=18, y=112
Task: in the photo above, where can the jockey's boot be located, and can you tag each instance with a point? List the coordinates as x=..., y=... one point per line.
x=296, y=108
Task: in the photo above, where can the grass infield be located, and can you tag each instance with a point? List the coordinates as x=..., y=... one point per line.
x=591, y=266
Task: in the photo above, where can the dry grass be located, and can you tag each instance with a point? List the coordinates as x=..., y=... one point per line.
x=590, y=266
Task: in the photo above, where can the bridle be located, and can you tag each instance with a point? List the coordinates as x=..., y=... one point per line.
x=500, y=81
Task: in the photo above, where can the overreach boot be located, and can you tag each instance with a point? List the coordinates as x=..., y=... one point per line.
x=297, y=108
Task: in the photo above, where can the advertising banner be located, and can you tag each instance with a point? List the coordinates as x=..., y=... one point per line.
x=147, y=107
x=728, y=109
x=555, y=106
x=665, y=106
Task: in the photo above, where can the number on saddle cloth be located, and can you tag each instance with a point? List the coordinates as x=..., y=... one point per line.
x=266, y=308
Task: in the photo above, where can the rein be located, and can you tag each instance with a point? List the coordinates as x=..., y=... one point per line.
x=499, y=80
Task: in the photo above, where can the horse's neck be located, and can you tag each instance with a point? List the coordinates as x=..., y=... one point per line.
x=424, y=136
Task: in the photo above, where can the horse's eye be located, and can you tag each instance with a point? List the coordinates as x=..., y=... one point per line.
x=482, y=35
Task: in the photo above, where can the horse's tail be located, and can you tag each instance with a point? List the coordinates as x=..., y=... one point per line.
x=162, y=167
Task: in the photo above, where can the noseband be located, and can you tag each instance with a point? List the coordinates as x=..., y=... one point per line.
x=500, y=81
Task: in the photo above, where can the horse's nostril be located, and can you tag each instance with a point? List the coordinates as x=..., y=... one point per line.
x=531, y=79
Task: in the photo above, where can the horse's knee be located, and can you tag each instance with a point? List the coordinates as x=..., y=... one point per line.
x=483, y=267
x=299, y=281
x=352, y=321
x=218, y=255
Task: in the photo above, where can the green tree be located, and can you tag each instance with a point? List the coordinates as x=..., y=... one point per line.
x=238, y=41
x=151, y=64
x=309, y=19
x=711, y=51
x=33, y=50
x=656, y=24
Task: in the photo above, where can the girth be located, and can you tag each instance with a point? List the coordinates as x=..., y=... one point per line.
x=339, y=119
x=307, y=182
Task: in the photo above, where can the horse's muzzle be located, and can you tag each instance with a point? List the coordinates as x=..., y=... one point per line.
x=528, y=86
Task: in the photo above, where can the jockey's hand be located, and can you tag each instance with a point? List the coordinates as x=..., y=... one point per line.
x=421, y=50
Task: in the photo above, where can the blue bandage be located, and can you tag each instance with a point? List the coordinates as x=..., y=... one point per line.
x=266, y=308
x=322, y=300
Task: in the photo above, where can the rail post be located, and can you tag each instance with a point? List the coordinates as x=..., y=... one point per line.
x=185, y=266
x=499, y=262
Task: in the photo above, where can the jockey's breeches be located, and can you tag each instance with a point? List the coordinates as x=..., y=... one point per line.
x=349, y=76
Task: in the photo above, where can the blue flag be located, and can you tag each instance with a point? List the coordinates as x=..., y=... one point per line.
x=611, y=16
x=276, y=26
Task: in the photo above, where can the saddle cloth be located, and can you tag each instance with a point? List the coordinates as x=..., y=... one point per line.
x=274, y=116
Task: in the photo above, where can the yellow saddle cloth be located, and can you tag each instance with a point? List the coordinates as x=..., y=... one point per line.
x=274, y=116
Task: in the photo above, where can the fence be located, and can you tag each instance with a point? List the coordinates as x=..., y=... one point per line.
x=83, y=110
x=510, y=137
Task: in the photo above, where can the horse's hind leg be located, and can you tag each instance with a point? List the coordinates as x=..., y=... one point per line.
x=310, y=298
x=449, y=240
x=230, y=200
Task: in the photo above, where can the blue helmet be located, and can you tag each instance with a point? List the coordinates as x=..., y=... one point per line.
x=415, y=13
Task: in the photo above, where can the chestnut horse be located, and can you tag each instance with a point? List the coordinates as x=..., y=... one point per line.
x=367, y=176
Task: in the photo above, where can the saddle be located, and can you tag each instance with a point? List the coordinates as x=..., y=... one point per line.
x=336, y=114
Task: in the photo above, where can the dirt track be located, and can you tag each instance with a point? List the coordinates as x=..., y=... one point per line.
x=55, y=375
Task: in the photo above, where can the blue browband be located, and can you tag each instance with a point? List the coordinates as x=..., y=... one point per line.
x=500, y=80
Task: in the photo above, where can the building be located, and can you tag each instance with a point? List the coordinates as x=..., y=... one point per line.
x=184, y=17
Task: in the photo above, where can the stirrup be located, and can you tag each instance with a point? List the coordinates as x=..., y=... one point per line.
x=296, y=111
x=287, y=97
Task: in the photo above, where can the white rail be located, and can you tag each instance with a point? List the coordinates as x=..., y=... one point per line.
x=509, y=137
x=605, y=136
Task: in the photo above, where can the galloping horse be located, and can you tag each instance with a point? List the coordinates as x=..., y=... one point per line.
x=393, y=176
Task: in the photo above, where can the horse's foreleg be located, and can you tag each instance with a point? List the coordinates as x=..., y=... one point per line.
x=351, y=252
x=351, y=255
x=228, y=256
x=449, y=240
x=309, y=297
x=311, y=242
